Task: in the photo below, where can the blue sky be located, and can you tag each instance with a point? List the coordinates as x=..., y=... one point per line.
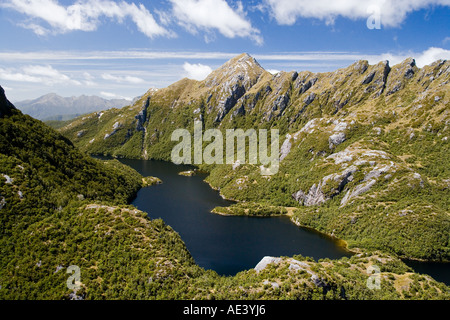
x=123, y=48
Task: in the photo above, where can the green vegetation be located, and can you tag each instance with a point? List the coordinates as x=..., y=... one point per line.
x=188, y=173
x=150, y=181
x=61, y=208
x=367, y=163
x=251, y=209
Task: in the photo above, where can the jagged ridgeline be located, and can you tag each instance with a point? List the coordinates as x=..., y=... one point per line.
x=364, y=152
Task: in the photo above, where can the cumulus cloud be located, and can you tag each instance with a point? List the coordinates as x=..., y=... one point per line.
x=196, y=71
x=37, y=74
x=422, y=58
x=215, y=15
x=122, y=79
x=393, y=12
x=84, y=15
x=273, y=71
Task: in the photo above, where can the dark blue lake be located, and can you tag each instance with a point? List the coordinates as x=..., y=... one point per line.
x=232, y=244
x=224, y=244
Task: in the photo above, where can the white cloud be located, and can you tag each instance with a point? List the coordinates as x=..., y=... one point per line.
x=88, y=79
x=422, y=58
x=112, y=55
x=84, y=15
x=11, y=75
x=37, y=74
x=196, y=71
x=393, y=12
x=432, y=54
x=211, y=15
x=273, y=71
x=122, y=79
x=300, y=59
x=110, y=95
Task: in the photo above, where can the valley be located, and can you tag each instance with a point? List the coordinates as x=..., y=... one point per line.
x=363, y=155
x=363, y=159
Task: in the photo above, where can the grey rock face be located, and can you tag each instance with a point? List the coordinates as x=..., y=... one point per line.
x=8, y=179
x=336, y=139
x=383, y=80
x=305, y=86
x=2, y=202
x=369, y=78
x=115, y=128
x=286, y=147
x=399, y=75
x=81, y=133
x=317, y=196
x=281, y=103
x=265, y=262
x=358, y=190
x=309, y=99
x=142, y=116
x=225, y=105
x=231, y=82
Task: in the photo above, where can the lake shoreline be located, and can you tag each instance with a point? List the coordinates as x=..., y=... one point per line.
x=341, y=243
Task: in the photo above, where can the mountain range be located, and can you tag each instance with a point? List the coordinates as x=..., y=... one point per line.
x=364, y=155
x=364, y=158
x=54, y=107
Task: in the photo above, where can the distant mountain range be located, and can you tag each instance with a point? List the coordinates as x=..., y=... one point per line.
x=54, y=107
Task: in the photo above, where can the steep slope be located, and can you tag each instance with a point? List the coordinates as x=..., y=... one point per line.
x=51, y=106
x=364, y=155
x=54, y=212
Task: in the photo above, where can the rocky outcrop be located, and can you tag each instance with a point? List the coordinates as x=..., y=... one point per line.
x=376, y=80
x=226, y=104
x=286, y=147
x=304, y=84
x=265, y=262
x=230, y=82
x=8, y=179
x=399, y=75
x=5, y=106
x=115, y=128
x=293, y=266
x=141, y=117
x=2, y=202
x=358, y=190
x=329, y=187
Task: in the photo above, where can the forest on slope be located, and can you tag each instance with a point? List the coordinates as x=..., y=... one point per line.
x=61, y=208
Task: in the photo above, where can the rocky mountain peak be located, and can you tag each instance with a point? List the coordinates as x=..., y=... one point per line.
x=230, y=82
x=242, y=68
x=5, y=105
x=400, y=74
